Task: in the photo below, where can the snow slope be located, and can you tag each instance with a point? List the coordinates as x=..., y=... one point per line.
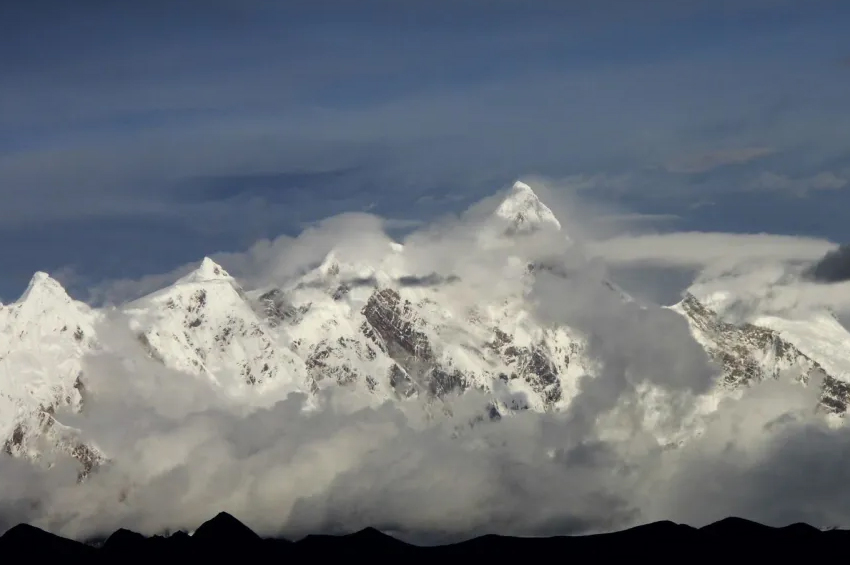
x=771, y=347
x=525, y=213
x=204, y=325
x=43, y=337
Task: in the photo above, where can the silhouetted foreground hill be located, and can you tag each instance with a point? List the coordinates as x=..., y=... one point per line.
x=732, y=539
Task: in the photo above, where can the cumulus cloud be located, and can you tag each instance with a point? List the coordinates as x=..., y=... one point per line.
x=747, y=290
x=703, y=249
x=118, y=291
x=436, y=471
x=635, y=346
x=358, y=235
x=292, y=470
x=760, y=273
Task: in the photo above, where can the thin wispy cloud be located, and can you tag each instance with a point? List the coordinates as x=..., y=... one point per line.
x=772, y=182
x=708, y=161
x=698, y=249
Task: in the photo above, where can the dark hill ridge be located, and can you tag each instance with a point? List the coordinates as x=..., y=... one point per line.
x=732, y=539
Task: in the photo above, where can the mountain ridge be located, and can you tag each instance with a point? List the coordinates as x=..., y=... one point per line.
x=377, y=327
x=225, y=536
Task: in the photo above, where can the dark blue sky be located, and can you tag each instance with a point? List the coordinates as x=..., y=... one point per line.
x=135, y=137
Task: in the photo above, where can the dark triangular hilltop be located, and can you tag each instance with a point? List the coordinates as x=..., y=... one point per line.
x=38, y=545
x=224, y=528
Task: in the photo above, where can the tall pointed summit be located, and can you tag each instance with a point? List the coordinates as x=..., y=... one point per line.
x=524, y=211
x=208, y=270
x=44, y=288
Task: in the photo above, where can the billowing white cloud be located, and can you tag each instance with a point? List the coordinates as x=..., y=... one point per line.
x=759, y=273
x=435, y=471
x=432, y=475
x=702, y=249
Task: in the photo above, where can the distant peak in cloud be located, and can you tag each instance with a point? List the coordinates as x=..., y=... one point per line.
x=525, y=212
x=710, y=160
x=833, y=267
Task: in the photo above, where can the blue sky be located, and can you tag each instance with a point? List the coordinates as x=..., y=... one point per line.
x=135, y=137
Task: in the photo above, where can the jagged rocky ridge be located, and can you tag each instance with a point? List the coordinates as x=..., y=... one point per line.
x=749, y=353
x=378, y=328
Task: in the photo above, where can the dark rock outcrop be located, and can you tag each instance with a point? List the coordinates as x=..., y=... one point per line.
x=741, y=350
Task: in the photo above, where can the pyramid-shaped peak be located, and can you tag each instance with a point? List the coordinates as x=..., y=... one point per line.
x=208, y=270
x=211, y=269
x=225, y=527
x=42, y=287
x=524, y=211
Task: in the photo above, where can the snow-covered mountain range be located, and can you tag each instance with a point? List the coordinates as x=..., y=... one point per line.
x=378, y=327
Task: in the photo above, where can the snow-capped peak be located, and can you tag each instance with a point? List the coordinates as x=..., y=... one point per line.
x=208, y=270
x=525, y=212
x=44, y=289
x=343, y=265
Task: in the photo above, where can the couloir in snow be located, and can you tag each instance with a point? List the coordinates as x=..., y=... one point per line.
x=378, y=326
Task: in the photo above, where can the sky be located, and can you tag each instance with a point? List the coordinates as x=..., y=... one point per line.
x=137, y=137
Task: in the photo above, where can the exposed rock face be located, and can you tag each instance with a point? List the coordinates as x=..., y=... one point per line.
x=274, y=308
x=393, y=323
x=402, y=333
x=531, y=364
x=39, y=429
x=328, y=359
x=749, y=353
x=399, y=329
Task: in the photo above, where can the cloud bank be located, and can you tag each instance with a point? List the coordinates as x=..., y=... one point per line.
x=438, y=471
x=700, y=249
